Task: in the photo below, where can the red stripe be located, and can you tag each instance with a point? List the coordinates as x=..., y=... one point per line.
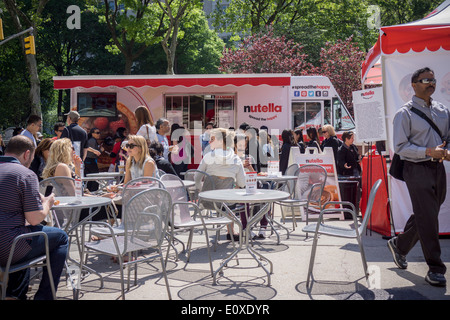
x=69, y=82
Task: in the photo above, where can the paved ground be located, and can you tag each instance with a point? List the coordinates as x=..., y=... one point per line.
x=338, y=273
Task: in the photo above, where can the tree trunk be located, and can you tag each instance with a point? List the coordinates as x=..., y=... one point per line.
x=35, y=89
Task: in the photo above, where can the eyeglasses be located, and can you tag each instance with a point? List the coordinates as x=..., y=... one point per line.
x=60, y=130
x=131, y=146
x=97, y=132
x=427, y=80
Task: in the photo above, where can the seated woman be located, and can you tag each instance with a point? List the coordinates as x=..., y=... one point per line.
x=41, y=156
x=139, y=163
x=222, y=162
x=62, y=160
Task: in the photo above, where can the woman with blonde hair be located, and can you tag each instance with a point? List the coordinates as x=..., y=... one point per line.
x=331, y=140
x=139, y=163
x=62, y=160
x=145, y=123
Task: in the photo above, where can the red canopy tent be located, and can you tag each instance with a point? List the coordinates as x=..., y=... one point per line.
x=402, y=49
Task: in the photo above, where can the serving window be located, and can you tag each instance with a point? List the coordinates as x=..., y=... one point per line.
x=97, y=104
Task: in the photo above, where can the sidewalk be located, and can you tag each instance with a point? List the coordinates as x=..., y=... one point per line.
x=338, y=272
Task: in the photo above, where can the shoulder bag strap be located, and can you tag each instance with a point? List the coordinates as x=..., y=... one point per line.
x=423, y=116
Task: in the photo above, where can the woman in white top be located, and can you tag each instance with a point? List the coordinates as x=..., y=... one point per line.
x=222, y=162
x=145, y=123
x=139, y=163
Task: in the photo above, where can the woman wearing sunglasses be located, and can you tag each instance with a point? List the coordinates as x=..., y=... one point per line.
x=139, y=163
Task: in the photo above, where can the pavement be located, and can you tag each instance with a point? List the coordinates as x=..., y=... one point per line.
x=338, y=273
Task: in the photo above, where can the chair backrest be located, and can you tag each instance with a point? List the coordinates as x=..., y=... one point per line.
x=62, y=186
x=137, y=185
x=307, y=176
x=190, y=175
x=215, y=183
x=159, y=173
x=368, y=212
x=292, y=170
x=145, y=218
x=174, y=185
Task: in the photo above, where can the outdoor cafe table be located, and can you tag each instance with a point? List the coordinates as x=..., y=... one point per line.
x=74, y=205
x=103, y=177
x=230, y=196
x=167, y=184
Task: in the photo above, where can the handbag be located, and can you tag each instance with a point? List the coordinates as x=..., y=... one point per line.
x=396, y=169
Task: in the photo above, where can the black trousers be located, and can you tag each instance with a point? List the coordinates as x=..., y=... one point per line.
x=426, y=182
x=90, y=166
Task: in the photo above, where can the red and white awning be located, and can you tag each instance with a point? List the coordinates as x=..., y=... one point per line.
x=276, y=79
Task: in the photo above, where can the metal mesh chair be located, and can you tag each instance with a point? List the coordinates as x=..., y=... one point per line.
x=187, y=215
x=335, y=231
x=190, y=175
x=311, y=180
x=145, y=220
x=129, y=190
x=62, y=187
x=42, y=261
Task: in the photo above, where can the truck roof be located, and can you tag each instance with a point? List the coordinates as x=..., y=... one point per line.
x=121, y=81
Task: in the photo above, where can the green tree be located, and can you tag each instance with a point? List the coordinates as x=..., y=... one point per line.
x=24, y=15
x=395, y=12
x=200, y=49
x=65, y=51
x=175, y=12
x=133, y=25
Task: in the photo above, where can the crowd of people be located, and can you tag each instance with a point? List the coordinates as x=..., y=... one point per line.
x=226, y=154
x=155, y=148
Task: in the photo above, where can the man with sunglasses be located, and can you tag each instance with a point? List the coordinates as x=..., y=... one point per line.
x=424, y=150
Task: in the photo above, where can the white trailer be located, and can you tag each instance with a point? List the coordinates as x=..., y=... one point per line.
x=278, y=101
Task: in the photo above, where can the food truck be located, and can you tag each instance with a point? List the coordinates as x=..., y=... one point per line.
x=277, y=101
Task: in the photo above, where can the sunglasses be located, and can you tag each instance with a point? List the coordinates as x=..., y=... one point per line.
x=427, y=81
x=97, y=132
x=131, y=146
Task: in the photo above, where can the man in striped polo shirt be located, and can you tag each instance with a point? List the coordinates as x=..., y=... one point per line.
x=22, y=209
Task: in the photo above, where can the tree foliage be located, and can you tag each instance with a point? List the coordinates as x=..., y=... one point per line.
x=266, y=53
x=341, y=63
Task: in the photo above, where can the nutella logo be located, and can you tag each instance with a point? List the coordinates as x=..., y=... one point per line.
x=314, y=161
x=368, y=94
x=271, y=107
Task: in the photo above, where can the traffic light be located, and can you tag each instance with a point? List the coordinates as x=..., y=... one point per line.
x=29, y=45
x=2, y=37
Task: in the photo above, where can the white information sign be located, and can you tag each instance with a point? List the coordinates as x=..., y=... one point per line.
x=370, y=117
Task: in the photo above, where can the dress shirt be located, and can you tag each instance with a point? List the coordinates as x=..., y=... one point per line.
x=413, y=135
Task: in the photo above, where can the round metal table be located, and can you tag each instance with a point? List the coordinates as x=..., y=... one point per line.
x=230, y=196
